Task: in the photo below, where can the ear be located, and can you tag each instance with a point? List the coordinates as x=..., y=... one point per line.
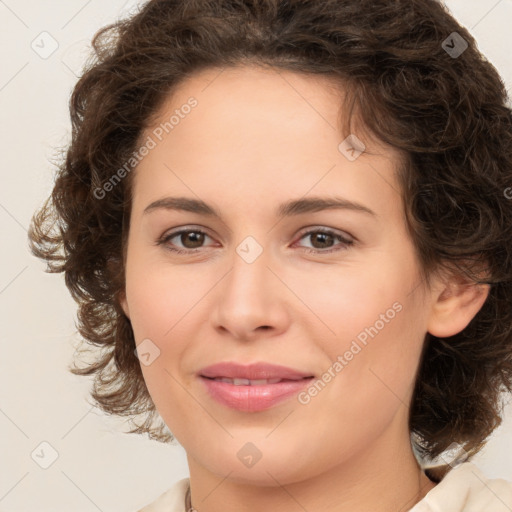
x=455, y=304
x=124, y=303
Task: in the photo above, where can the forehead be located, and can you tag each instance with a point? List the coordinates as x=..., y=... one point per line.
x=256, y=131
x=251, y=93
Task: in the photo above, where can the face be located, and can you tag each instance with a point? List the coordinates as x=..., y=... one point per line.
x=334, y=293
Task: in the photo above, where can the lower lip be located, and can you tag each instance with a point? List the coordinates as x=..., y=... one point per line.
x=253, y=398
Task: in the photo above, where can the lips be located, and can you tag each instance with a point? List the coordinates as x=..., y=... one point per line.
x=253, y=387
x=252, y=372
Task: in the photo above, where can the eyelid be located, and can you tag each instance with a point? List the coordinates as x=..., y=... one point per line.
x=324, y=229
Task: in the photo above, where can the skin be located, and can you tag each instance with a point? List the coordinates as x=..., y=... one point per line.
x=256, y=139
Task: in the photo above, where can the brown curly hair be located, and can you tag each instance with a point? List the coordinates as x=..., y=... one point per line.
x=447, y=114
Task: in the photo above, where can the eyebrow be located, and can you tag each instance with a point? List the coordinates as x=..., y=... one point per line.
x=290, y=208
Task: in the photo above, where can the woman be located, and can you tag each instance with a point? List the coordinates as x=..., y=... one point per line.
x=286, y=225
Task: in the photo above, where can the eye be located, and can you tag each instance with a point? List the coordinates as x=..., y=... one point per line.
x=322, y=237
x=192, y=239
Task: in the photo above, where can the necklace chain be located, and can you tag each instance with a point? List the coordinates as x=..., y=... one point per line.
x=188, y=501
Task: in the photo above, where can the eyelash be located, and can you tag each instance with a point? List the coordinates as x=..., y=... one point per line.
x=344, y=242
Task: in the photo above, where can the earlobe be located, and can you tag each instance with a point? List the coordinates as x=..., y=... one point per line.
x=455, y=307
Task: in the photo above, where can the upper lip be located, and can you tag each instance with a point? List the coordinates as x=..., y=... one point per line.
x=255, y=371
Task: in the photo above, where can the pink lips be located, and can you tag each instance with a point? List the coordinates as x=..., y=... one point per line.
x=257, y=396
x=252, y=371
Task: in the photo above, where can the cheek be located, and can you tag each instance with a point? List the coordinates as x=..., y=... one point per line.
x=376, y=328
x=164, y=302
x=352, y=301
x=359, y=396
x=159, y=295
x=161, y=305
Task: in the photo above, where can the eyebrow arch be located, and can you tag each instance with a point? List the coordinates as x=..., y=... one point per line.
x=290, y=208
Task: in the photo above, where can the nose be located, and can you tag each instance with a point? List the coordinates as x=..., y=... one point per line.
x=251, y=300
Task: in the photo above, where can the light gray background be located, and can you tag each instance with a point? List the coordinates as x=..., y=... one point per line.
x=98, y=467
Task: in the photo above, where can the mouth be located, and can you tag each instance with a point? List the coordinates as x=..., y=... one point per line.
x=253, y=382
x=239, y=374
x=253, y=387
x=252, y=395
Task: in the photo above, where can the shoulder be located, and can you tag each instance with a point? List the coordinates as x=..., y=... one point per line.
x=466, y=489
x=172, y=500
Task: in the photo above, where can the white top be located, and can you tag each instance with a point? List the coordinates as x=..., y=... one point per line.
x=463, y=489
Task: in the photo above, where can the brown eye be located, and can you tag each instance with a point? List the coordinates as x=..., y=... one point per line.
x=322, y=241
x=185, y=240
x=195, y=238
